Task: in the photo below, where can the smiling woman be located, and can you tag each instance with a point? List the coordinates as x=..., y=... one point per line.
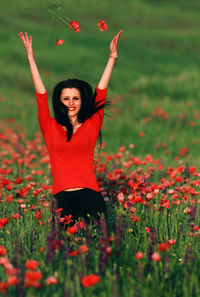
x=80, y=111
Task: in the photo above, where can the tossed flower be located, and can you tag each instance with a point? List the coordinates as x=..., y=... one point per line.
x=75, y=25
x=102, y=25
x=59, y=42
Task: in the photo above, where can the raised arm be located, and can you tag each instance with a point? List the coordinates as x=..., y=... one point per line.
x=37, y=81
x=110, y=64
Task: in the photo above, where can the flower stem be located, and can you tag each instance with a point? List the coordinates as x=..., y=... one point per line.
x=62, y=19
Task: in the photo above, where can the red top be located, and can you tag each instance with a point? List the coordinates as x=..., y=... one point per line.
x=71, y=162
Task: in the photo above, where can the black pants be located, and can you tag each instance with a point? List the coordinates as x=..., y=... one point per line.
x=80, y=203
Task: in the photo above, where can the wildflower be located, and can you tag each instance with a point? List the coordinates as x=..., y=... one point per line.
x=102, y=25
x=147, y=229
x=59, y=42
x=83, y=248
x=3, y=222
x=2, y=250
x=172, y=241
x=156, y=257
x=51, y=280
x=90, y=280
x=12, y=280
x=38, y=214
x=139, y=256
x=32, y=264
x=75, y=25
x=163, y=247
x=68, y=219
x=31, y=278
x=72, y=230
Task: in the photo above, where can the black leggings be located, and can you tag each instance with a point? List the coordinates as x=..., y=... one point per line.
x=80, y=203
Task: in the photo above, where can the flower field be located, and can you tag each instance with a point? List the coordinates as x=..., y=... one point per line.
x=151, y=241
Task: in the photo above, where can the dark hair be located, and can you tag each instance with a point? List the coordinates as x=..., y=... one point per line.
x=88, y=105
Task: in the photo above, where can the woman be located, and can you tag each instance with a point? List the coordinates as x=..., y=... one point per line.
x=71, y=137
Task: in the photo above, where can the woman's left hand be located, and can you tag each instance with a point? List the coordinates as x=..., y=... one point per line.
x=114, y=44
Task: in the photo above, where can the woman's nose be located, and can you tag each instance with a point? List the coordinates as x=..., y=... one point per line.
x=71, y=102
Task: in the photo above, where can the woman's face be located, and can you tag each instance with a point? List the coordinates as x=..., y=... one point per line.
x=71, y=98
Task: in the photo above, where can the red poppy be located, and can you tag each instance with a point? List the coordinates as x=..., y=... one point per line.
x=18, y=181
x=72, y=230
x=102, y=25
x=163, y=247
x=90, y=280
x=155, y=257
x=83, y=248
x=31, y=278
x=68, y=219
x=3, y=222
x=12, y=280
x=38, y=214
x=139, y=256
x=59, y=42
x=75, y=25
x=172, y=241
x=32, y=264
x=2, y=250
x=51, y=280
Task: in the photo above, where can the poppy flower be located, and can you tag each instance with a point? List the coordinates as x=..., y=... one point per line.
x=172, y=241
x=102, y=25
x=31, y=278
x=155, y=257
x=75, y=25
x=139, y=256
x=32, y=264
x=59, y=42
x=3, y=222
x=72, y=230
x=90, y=280
x=2, y=250
x=51, y=280
x=163, y=247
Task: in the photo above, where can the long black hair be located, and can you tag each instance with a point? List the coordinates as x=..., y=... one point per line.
x=88, y=105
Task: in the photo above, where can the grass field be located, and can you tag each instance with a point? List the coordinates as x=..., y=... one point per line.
x=147, y=170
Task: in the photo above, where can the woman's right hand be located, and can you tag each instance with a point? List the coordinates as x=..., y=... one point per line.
x=27, y=41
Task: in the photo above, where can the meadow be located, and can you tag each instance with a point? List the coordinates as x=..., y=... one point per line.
x=148, y=168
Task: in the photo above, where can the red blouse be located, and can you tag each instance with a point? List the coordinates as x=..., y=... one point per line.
x=71, y=162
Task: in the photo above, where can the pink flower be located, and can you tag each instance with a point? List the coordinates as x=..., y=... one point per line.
x=172, y=241
x=139, y=256
x=51, y=280
x=156, y=257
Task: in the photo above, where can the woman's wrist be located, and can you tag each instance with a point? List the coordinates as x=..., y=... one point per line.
x=113, y=56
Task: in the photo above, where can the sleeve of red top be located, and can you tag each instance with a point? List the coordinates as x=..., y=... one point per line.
x=98, y=116
x=43, y=112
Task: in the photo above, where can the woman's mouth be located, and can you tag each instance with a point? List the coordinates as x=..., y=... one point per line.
x=71, y=108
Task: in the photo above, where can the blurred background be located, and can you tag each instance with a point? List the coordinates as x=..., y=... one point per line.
x=155, y=86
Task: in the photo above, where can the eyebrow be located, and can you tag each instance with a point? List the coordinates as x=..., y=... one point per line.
x=68, y=96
